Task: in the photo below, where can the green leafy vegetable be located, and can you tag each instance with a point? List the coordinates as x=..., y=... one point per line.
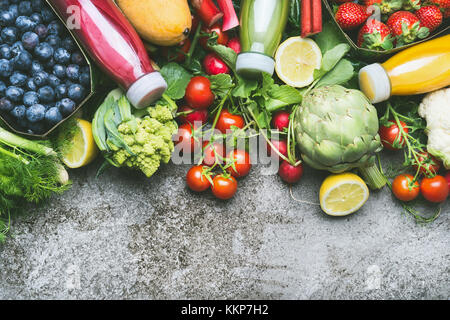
x=177, y=79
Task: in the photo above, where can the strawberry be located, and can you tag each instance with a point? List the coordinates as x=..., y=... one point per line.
x=375, y=35
x=447, y=13
x=430, y=17
x=351, y=15
x=386, y=6
x=443, y=4
x=405, y=26
x=341, y=1
x=411, y=5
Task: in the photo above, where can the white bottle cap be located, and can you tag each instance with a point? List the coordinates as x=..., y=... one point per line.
x=146, y=90
x=374, y=82
x=252, y=64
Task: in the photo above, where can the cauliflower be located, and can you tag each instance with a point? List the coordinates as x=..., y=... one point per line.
x=435, y=109
x=137, y=141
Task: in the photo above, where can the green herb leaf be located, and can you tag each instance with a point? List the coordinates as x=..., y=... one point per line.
x=228, y=55
x=244, y=88
x=177, y=79
x=342, y=73
x=221, y=84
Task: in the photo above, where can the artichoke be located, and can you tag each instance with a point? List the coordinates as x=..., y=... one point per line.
x=337, y=130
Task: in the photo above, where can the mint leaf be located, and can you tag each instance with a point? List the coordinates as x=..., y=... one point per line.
x=221, y=84
x=177, y=79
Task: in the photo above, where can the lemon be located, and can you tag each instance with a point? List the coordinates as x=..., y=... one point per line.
x=295, y=61
x=343, y=194
x=83, y=149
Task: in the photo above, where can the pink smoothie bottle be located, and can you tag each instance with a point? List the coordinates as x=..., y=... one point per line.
x=111, y=41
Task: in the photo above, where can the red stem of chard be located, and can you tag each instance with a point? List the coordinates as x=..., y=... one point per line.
x=230, y=19
x=207, y=11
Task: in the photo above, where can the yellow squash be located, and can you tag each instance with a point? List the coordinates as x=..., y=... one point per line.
x=161, y=22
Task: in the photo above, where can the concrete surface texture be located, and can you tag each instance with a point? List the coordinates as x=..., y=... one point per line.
x=122, y=236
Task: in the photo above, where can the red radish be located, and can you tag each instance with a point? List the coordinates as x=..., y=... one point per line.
x=235, y=44
x=214, y=65
x=281, y=120
x=430, y=17
x=193, y=116
x=350, y=15
x=279, y=145
x=447, y=177
x=289, y=173
x=230, y=19
x=207, y=11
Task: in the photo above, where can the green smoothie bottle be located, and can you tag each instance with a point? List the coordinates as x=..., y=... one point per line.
x=262, y=26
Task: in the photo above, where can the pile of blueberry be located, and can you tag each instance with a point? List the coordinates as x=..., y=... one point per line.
x=43, y=75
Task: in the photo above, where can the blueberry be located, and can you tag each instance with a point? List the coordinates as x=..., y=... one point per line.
x=4, y=4
x=5, y=52
x=61, y=56
x=53, y=116
x=24, y=23
x=18, y=79
x=2, y=88
x=68, y=83
x=41, y=30
x=6, y=68
x=30, y=98
x=35, y=113
x=36, y=66
x=73, y=72
x=43, y=51
x=77, y=58
x=30, y=40
x=61, y=91
x=66, y=106
x=9, y=35
x=37, y=5
x=46, y=94
x=40, y=78
x=54, y=41
x=59, y=71
x=30, y=85
x=36, y=17
x=6, y=18
x=69, y=44
x=55, y=28
x=6, y=105
x=14, y=94
x=25, y=8
x=47, y=14
x=17, y=47
x=18, y=112
x=53, y=81
x=76, y=92
x=14, y=9
x=85, y=69
x=85, y=79
x=23, y=61
x=50, y=63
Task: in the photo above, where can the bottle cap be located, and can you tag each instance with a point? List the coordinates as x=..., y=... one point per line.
x=374, y=82
x=146, y=90
x=252, y=64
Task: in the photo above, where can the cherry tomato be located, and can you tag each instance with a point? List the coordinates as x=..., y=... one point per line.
x=290, y=173
x=210, y=150
x=429, y=164
x=391, y=137
x=196, y=180
x=224, y=187
x=198, y=93
x=242, y=165
x=184, y=139
x=279, y=145
x=222, y=37
x=199, y=117
x=405, y=188
x=227, y=120
x=434, y=189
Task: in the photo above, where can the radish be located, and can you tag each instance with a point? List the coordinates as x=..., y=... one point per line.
x=289, y=173
x=193, y=116
x=279, y=145
x=234, y=44
x=214, y=65
x=281, y=120
x=447, y=177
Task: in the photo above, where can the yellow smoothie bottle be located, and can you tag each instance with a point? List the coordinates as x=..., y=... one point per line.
x=418, y=69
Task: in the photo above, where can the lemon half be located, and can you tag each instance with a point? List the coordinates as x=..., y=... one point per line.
x=83, y=150
x=295, y=61
x=343, y=194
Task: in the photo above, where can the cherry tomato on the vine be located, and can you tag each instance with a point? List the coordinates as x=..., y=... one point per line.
x=210, y=151
x=242, y=165
x=196, y=180
x=224, y=187
x=391, y=136
x=198, y=93
x=227, y=120
x=405, y=188
x=434, y=189
x=184, y=139
x=429, y=164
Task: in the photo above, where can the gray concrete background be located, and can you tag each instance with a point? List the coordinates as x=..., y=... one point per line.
x=122, y=236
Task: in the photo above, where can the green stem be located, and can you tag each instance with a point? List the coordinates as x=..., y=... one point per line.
x=193, y=44
x=374, y=178
x=13, y=155
x=10, y=138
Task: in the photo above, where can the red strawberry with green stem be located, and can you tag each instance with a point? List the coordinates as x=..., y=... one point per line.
x=406, y=27
x=430, y=17
x=375, y=35
x=351, y=15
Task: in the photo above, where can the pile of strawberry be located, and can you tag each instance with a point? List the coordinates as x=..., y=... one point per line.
x=385, y=24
